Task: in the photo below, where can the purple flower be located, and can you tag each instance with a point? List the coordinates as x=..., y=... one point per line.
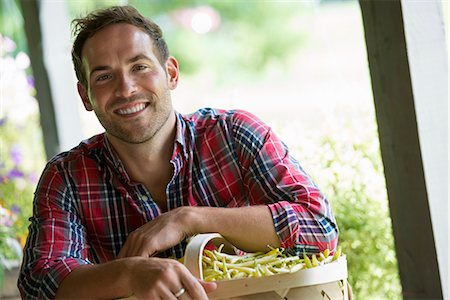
x=30, y=81
x=7, y=222
x=2, y=121
x=33, y=177
x=8, y=44
x=15, y=209
x=16, y=154
x=15, y=173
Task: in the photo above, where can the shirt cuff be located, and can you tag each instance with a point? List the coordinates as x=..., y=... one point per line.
x=285, y=222
x=58, y=272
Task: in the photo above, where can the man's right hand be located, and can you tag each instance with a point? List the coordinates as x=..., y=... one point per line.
x=143, y=277
x=159, y=278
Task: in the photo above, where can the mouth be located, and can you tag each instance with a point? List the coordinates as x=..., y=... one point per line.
x=132, y=109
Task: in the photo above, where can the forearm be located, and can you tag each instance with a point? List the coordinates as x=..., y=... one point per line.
x=143, y=277
x=249, y=228
x=101, y=281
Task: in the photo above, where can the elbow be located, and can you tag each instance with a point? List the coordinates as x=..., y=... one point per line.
x=25, y=288
x=318, y=238
x=328, y=239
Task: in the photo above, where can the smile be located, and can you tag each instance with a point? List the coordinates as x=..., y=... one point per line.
x=131, y=110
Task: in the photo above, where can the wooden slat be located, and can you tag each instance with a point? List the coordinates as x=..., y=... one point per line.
x=30, y=12
x=400, y=149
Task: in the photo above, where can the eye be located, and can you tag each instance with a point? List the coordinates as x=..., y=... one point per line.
x=102, y=77
x=140, y=67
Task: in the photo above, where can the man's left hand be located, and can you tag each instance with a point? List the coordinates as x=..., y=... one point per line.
x=160, y=234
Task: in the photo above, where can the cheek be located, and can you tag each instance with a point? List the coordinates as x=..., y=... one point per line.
x=99, y=94
x=152, y=80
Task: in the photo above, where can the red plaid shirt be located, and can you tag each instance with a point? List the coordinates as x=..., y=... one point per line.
x=86, y=205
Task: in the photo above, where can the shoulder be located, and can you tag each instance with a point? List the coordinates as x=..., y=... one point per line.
x=236, y=119
x=86, y=154
x=85, y=148
x=205, y=117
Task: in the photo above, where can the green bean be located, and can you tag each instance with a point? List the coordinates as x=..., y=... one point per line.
x=223, y=266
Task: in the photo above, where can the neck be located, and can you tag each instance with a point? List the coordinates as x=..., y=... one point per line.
x=147, y=156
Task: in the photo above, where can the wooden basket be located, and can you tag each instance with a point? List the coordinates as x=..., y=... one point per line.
x=328, y=281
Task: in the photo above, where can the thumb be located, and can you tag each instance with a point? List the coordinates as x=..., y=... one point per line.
x=208, y=286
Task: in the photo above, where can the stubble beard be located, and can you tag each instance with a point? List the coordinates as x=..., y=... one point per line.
x=147, y=131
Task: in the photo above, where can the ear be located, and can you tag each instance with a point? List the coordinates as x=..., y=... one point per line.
x=172, y=72
x=84, y=97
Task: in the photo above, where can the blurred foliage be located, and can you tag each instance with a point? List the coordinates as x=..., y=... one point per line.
x=18, y=181
x=363, y=219
x=11, y=23
x=81, y=8
x=346, y=163
x=21, y=153
x=249, y=35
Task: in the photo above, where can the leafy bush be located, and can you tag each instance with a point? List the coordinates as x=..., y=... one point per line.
x=346, y=163
x=363, y=218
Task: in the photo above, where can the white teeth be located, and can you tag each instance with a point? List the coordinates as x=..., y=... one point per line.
x=127, y=111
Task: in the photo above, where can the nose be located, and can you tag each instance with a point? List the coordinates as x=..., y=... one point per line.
x=125, y=86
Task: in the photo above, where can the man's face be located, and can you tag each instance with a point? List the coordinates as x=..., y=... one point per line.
x=127, y=87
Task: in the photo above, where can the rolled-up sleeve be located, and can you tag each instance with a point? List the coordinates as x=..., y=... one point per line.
x=56, y=242
x=302, y=215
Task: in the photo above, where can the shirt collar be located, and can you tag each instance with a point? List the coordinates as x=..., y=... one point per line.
x=180, y=138
x=112, y=159
x=179, y=146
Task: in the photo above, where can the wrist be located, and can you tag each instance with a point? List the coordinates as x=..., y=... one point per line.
x=193, y=220
x=130, y=265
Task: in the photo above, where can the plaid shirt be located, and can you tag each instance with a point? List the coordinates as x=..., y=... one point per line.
x=86, y=204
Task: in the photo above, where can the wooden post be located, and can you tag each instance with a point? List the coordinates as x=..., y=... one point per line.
x=30, y=12
x=409, y=81
x=48, y=34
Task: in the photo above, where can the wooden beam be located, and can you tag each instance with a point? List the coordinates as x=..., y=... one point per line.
x=396, y=94
x=428, y=63
x=30, y=12
x=48, y=35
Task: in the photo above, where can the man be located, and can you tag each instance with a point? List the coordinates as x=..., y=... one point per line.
x=107, y=212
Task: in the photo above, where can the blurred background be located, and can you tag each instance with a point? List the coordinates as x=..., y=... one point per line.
x=300, y=66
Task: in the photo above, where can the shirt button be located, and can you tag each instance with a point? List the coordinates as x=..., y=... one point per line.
x=144, y=198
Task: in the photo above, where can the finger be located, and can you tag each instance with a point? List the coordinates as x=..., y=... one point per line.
x=208, y=286
x=129, y=248
x=182, y=294
x=136, y=246
x=166, y=293
x=193, y=286
x=141, y=245
x=185, y=296
x=163, y=289
x=123, y=251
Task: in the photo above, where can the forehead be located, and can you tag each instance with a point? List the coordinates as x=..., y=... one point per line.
x=115, y=43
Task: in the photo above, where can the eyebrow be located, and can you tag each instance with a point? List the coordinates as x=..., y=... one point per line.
x=138, y=57
x=129, y=61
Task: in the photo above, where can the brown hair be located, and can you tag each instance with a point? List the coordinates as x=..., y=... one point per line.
x=84, y=28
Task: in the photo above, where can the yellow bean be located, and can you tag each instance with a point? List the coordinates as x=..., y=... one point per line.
x=219, y=266
x=307, y=261
x=337, y=253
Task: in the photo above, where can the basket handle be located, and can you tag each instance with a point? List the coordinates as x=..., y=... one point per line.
x=194, y=251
